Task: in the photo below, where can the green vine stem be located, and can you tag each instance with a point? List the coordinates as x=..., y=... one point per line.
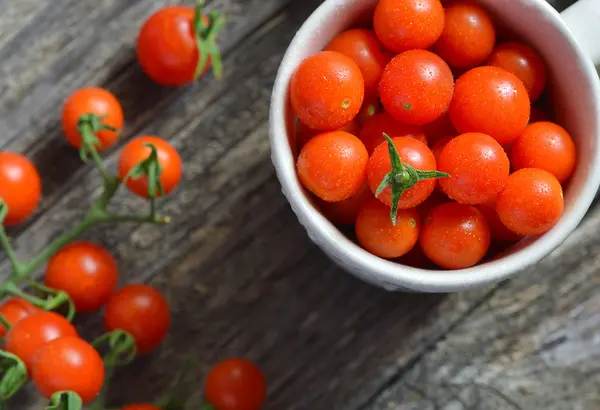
x=206, y=28
x=53, y=298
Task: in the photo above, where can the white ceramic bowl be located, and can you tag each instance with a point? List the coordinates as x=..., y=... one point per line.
x=574, y=86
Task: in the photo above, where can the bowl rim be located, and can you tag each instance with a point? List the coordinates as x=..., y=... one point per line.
x=388, y=273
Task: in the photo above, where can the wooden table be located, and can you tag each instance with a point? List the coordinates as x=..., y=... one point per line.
x=239, y=271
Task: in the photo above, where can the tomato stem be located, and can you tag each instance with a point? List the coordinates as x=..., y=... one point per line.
x=4, y=322
x=206, y=36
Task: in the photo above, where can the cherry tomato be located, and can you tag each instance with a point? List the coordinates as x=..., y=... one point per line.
x=497, y=228
x=371, y=133
x=478, y=168
x=531, y=203
x=92, y=100
x=143, y=312
x=28, y=335
x=167, y=48
x=20, y=187
x=468, y=37
x=439, y=128
x=371, y=107
x=141, y=406
x=403, y=25
x=346, y=211
x=415, y=258
x=304, y=133
x=525, y=63
x=455, y=236
x=413, y=153
x=68, y=364
x=375, y=232
x=332, y=165
x=416, y=87
x=16, y=309
x=492, y=101
x=327, y=91
x=86, y=271
x=439, y=146
x=235, y=384
x=136, y=151
x=363, y=47
x=547, y=146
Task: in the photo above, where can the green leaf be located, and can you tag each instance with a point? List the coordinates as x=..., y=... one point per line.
x=14, y=375
x=65, y=400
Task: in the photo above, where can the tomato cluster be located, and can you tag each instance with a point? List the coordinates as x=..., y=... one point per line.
x=427, y=168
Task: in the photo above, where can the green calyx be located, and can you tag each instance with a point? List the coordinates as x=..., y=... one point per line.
x=206, y=35
x=402, y=177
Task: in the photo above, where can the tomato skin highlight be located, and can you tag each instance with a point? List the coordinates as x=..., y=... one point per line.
x=371, y=133
x=142, y=311
x=492, y=101
x=333, y=165
x=92, y=100
x=468, y=37
x=345, y=212
x=14, y=310
x=403, y=25
x=455, y=236
x=377, y=235
x=416, y=87
x=531, y=203
x=86, y=271
x=20, y=187
x=235, y=384
x=546, y=146
x=327, y=91
x=69, y=364
x=304, y=133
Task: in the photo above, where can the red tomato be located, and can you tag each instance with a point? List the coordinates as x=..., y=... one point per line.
x=92, y=100
x=492, y=101
x=468, y=37
x=346, y=211
x=531, y=203
x=455, y=236
x=68, y=364
x=235, y=384
x=28, y=335
x=413, y=153
x=525, y=63
x=416, y=87
x=16, y=309
x=167, y=48
x=136, y=151
x=415, y=258
x=363, y=47
x=403, y=25
x=86, y=271
x=327, y=91
x=546, y=146
x=143, y=312
x=371, y=133
x=20, y=187
x=304, y=133
x=497, y=228
x=141, y=406
x=439, y=146
x=375, y=232
x=332, y=165
x=371, y=107
x=439, y=128
x=478, y=168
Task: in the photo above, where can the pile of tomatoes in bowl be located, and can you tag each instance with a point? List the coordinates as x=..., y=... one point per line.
x=428, y=130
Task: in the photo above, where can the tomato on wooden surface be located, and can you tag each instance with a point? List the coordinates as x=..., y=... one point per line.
x=333, y=165
x=86, y=271
x=372, y=132
x=68, y=364
x=168, y=48
x=28, y=335
x=469, y=35
x=546, y=146
x=138, y=150
x=478, y=168
x=363, y=47
x=531, y=203
x=376, y=233
x=408, y=24
x=455, y=236
x=141, y=406
x=345, y=212
x=327, y=91
x=235, y=384
x=14, y=310
x=524, y=62
x=492, y=101
x=499, y=231
x=371, y=107
x=142, y=311
x=97, y=101
x=20, y=187
x=416, y=87
x=304, y=133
